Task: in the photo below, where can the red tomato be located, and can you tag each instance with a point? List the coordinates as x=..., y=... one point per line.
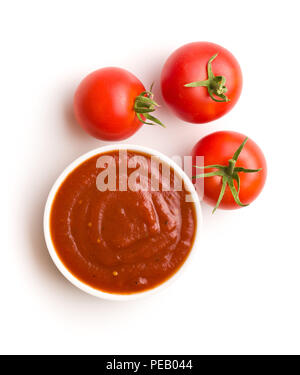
x=237, y=158
x=108, y=104
x=213, y=74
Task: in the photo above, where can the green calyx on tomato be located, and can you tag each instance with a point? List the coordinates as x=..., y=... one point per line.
x=143, y=105
x=229, y=173
x=215, y=84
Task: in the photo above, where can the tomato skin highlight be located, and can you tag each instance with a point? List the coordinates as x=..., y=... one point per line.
x=189, y=64
x=218, y=148
x=104, y=103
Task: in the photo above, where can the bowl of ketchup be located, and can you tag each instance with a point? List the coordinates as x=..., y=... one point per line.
x=122, y=221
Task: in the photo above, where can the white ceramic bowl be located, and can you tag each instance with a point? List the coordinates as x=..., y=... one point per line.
x=59, y=264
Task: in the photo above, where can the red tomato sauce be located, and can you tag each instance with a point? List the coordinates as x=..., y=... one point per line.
x=121, y=241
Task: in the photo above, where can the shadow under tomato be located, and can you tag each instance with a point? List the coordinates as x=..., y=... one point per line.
x=72, y=125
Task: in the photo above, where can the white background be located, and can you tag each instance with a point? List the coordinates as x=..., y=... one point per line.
x=241, y=294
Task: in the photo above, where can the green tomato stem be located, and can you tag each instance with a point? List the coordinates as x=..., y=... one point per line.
x=215, y=84
x=228, y=174
x=143, y=105
x=231, y=165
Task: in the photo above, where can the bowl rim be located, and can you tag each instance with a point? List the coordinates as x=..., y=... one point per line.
x=51, y=196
